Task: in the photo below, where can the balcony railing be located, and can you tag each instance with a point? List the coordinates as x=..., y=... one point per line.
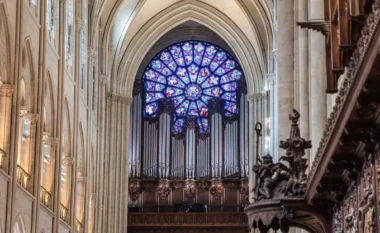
x=78, y=225
x=45, y=197
x=237, y=220
x=23, y=178
x=2, y=158
x=63, y=212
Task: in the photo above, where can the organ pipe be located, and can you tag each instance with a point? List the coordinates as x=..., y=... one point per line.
x=135, y=140
x=154, y=153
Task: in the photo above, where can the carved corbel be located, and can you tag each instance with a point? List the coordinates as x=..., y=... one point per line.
x=163, y=190
x=135, y=189
x=321, y=26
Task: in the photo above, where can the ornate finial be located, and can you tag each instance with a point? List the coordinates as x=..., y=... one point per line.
x=276, y=180
x=258, y=128
x=295, y=117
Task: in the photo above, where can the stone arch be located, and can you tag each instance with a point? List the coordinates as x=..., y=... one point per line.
x=66, y=162
x=48, y=105
x=82, y=161
x=5, y=42
x=119, y=10
x=19, y=225
x=173, y=16
x=27, y=75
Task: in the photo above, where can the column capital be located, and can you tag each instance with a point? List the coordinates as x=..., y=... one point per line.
x=79, y=23
x=91, y=53
x=119, y=98
x=93, y=196
x=103, y=79
x=68, y=161
x=52, y=142
x=255, y=97
x=82, y=180
x=31, y=118
x=6, y=90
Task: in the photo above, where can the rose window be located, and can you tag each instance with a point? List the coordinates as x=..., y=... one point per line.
x=192, y=74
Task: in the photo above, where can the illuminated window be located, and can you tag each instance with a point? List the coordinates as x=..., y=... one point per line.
x=69, y=32
x=192, y=74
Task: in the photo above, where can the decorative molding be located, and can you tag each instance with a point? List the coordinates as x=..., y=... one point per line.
x=190, y=190
x=135, y=189
x=52, y=142
x=255, y=97
x=346, y=85
x=103, y=79
x=217, y=189
x=316, y=25
x=6, y=90
x=68, y=161
x=149, y=220
x=119, y=98
x=31, y=118
x=163, y=189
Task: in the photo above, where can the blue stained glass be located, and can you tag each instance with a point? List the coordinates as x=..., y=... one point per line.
x=191, y=73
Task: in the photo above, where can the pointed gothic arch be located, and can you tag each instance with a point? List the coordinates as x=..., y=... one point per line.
x=250, y=57
x=19, y=225
x=5, y=42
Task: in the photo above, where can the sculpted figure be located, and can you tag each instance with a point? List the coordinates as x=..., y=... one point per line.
x=265, y=181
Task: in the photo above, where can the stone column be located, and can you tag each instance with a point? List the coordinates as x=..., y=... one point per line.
x=317, y=83
x=103, y=80
x=272, y=103
x=303, y=53
x=116, y=155
x=284, y=32
x=252, y=136
x=6, y=93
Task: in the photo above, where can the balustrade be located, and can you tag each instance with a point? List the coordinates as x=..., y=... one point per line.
x=78, y=225
x=2, y=158
x=63, y=212
x=23, y=178
x=45, y=197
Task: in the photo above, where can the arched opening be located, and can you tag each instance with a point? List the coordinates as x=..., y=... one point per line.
x=189, y=124
x=19, y=226
x=67, y=160
x=27, y=121
x=81, y=183
x=48, y=145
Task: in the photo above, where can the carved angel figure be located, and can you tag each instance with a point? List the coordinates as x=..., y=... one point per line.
x=267, y=176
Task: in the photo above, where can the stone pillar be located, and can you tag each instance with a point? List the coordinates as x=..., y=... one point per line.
x=284, y=30
x=103, y=80
x=6, y=93
x=252, y=154
x=317, y=83
x=116, y=155
x=303, y=53
x=272, y=103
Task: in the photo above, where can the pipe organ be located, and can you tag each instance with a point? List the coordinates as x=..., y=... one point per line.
x=156, y=154
x=189, y=130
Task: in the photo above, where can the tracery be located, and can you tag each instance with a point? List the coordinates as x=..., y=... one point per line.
x=192, y=75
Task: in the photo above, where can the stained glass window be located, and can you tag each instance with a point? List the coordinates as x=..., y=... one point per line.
x=82, y=59
x=192, y=74
x=50, y=22
x=69, y=31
